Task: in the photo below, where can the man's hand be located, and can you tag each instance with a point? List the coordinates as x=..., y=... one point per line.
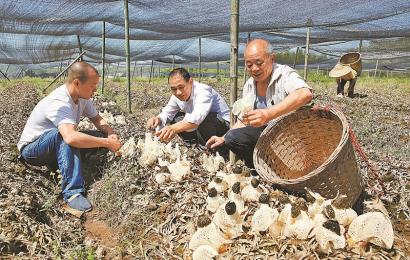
x=153, y=122
x=256, y=118
x=166, y=134
x=215, y=141
x=114, y=143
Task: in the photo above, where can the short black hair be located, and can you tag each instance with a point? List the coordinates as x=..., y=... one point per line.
x=179, y=71
x=79, y=70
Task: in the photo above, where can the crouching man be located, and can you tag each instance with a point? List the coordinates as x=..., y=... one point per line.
x=195, y=111
x=50, y=136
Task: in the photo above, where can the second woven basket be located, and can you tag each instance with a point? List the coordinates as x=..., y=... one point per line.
x=309, y=148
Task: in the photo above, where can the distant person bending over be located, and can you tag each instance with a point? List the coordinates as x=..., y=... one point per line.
x=195, y=111
x=50, y=136
x=277, y=90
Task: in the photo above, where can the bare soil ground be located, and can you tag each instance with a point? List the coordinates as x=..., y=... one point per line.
x=136, y=218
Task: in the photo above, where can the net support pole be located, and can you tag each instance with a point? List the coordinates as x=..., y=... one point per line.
x=127, y=54
x=173, y=61
x=244, y=62
x=199, y=59
x=79, y=46
x=360, y=45
x=234, y=62
x=61, y=73
x=141, y=71
x=116, y=70
x=309, y=24
x=133, y=70
x=4, y=75
x=159, y=70
x=375, y=69
x=151, y=70
x=296, y=57
x=217, y=68
x=103, y=58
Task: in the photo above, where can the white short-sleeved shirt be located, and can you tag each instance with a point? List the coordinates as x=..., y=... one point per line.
x=203, y=100
x=284, y=80
x=55, y=109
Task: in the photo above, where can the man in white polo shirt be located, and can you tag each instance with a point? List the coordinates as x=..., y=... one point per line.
x=277, y=90
x=50, y=136
x=195, y=110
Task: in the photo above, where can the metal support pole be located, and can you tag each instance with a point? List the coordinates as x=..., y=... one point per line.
x=7, y=69
x=4, y=75
x=296, y=57
x=159, y=70
x=234, y=61
x=116, y=70
x=79, y=46
x=141, y=71
x=127, y=53
x=151, y=70
x=309, y=23
x=133, y=71
x=375, y=70
x=360, y=45
x=173, y=61
x=61, y=73
x=199, y=59
x=103, y=58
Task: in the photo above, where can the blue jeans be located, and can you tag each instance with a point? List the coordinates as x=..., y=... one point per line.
x=51, y=150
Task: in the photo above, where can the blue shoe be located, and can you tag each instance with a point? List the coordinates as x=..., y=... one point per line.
x=79, y=202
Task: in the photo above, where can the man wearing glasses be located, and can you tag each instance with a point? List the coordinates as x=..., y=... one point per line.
x=277, y=90
x=195, y=110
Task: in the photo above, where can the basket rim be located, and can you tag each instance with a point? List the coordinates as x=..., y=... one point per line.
x=344, y=138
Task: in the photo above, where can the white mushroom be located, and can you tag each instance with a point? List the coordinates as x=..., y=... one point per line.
x=235, y=196
x=212, y=163
x=263, y=217
x=219, y=184
x=373, y=227
x=128, y=149
x=214, y=200
x=204, y=252
x=207, y=234
x=330, y=236
x=252, y=192
x=179, y=169
x=243, y=105
x=228, y=220
x=340, y=211
x=298, y=224
x=162, y=177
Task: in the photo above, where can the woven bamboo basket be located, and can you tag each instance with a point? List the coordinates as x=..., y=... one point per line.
x=309, y=148
x=354, y=60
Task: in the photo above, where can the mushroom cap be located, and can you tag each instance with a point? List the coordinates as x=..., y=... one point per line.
x=329, y=212
x=237, y=169
x=264, y=198
x=230, y=208
x=236, y=188
x=283, y=198
x=217, y=180
x=246, y=171
x=212, y=192
x=332, y=225
x=295, y=210
x=203, y=221
x=255, y=182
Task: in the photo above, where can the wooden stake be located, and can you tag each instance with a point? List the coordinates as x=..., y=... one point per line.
x=127, y=54
x=103, y=58
x=234, y=62
x=79, y=46
x=199, y=59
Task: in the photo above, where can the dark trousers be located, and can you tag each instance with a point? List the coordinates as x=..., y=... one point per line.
x=212, y=125
x=242, y=141
x=341, y=85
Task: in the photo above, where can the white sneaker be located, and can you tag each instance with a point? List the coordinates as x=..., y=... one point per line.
x=340, y=95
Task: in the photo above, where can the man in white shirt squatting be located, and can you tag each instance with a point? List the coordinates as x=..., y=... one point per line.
x=277, y=90
x=195, y=111
x=50, y=136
